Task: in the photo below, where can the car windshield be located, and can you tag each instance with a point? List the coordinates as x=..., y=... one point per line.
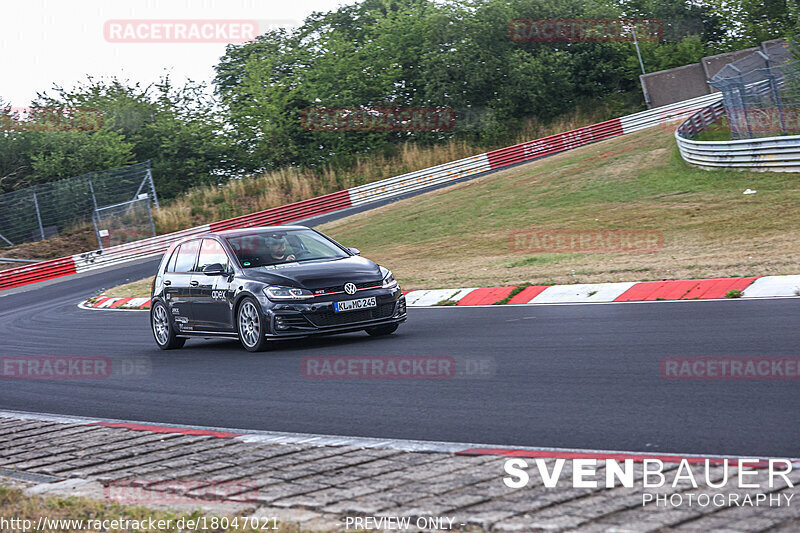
x=270, y=247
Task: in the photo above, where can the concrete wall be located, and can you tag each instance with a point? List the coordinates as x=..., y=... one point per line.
x=689, y=81
x=674, y=85
x=713, y=64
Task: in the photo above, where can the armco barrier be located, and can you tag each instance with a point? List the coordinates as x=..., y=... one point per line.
x=775, y=154
x=363, y=194
x=287, y=213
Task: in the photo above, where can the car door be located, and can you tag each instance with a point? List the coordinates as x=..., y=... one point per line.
x=177, y=284
x=211, y=294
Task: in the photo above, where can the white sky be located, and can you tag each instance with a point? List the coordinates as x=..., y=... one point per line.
x=43, y=42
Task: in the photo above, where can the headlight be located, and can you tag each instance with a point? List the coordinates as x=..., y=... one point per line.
x=388, y=281
x=287, y=293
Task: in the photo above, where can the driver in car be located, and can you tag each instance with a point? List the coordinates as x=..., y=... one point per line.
x=277, y=249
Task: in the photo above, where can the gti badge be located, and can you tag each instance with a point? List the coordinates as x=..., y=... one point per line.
x=350, y=288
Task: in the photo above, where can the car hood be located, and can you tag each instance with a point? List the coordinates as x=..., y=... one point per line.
x=319, y=275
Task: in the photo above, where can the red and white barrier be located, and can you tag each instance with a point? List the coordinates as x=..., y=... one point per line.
x=772, y=286
x=583, y=292
x=642, y=291
x=361, y=195
x=629, y=291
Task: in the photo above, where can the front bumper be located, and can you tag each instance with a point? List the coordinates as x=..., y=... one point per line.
x=289, y=321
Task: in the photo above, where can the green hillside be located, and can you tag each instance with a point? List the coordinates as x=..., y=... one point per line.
x=460, y=236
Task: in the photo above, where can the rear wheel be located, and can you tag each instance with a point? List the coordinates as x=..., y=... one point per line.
x=380, y=331
x=250, y=324
x=163, y=330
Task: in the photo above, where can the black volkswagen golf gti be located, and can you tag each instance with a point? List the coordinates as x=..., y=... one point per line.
x=262, y=284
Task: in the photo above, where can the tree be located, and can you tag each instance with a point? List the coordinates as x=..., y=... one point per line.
x=178, y=128
x=409, y=53
x=57, y=155
x=745, y=23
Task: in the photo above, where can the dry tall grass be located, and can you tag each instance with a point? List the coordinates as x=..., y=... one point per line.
x=242, y=196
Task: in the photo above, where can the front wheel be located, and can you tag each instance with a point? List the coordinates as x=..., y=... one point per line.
x=163, y=330
x=380, y=331
x=250, y=323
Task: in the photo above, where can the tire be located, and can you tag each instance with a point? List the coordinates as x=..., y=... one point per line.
x=250, y=326
x=163, y=330
x=380, y=331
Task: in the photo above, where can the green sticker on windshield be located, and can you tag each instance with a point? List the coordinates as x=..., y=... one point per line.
x=246, y=263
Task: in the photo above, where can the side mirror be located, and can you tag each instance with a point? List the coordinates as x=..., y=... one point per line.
x=215, y=269
x=354, y=251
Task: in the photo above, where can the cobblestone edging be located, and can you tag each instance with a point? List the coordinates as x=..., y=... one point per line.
x=320, y=486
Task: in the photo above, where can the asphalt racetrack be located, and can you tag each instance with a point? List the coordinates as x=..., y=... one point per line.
x=574, y=376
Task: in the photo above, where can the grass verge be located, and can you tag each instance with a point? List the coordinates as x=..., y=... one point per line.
x=463, y=236
x=134, y=289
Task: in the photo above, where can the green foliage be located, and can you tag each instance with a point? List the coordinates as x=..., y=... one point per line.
x=410, y=53
x=15, y=161
x=65, y=154
x=177, y=128
x=746, y=23
x=35, y=150
x=665, y=55
x=680, y=18
x=419, y=53
x=374, y=53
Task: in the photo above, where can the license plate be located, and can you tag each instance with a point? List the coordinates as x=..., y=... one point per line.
x=354, y=305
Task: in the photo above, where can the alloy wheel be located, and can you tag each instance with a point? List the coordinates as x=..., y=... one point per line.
x=249, y=324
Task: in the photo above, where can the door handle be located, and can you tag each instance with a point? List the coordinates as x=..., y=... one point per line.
x=194, y=283
x=167, y=282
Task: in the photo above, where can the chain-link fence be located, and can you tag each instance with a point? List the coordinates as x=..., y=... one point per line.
x=124, y=222
x=761, y=93
x=39, y=212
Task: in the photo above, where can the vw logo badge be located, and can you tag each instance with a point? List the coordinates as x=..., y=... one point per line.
x=350, y=288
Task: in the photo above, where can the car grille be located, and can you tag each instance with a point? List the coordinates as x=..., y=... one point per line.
x=329, y=318
x=340, y=288
x=288, y=322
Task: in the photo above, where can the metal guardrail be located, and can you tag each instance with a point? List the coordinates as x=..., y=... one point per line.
x=364, y=194
x=773, y=154
x=668, y=113
x=12, y=260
